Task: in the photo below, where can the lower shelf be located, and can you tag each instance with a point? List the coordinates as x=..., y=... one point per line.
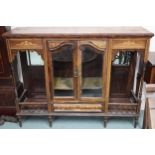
x=118, y=109
x=46, y=113
x=33, y=113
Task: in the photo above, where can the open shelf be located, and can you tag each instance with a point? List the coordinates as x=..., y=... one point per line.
x=33, y=113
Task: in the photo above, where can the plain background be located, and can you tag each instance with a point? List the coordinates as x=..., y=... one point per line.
x=78, y=13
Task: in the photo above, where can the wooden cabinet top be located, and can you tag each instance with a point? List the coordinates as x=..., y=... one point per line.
x=109, y=32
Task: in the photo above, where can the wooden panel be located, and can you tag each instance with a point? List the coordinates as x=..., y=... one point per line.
x=79, y=32
x=149, y=114
x=7, y=93
x=7, y=96
x=56, y=43
x=150, y=69
x=119, y=78
x=1, y=64
x=4, y=63
x=25, y=44
x=78, y=107
x=152, y=78
x=128, y=44
x=8, y=110
x=98, y=44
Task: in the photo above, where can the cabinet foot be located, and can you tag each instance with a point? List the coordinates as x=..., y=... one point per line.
x=105, y=121
x=50, y=121
x=20, y=121
x=135, y=122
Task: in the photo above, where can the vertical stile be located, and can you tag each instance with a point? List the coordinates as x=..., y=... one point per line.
x=47, y=75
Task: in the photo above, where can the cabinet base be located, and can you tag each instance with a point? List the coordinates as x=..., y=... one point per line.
x=90, y=114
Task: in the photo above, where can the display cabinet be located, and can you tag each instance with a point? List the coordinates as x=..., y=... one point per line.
x=90, y=71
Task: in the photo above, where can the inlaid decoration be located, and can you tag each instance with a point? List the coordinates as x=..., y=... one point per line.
x=128, y=44
x=100, y=45
x=26, y=44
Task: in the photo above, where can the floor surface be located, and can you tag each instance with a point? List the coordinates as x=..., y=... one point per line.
x=75, y=123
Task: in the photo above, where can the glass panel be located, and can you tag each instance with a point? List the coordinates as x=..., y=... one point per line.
x=92, y=67
x=62, y=60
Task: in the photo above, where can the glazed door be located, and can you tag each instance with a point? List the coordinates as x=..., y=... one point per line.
x=92, y=57
x=62, y=55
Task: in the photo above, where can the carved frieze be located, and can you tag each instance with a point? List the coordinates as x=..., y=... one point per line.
x=128, y=44
x=97, y=44
x=25, y=44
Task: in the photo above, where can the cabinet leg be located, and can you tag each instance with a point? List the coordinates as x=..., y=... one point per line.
x=105, y=121
x=135, y=122
x=20, y=121
x=50, y=121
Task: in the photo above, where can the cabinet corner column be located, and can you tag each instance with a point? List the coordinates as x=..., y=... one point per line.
x=47, y=81
x=108, y=77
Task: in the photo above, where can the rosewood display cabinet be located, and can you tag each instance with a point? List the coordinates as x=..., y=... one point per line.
x=83, y=71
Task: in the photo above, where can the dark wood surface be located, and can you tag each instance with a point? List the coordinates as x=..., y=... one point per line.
x=79, y=31
x=150, y=69
x=4, y=62
x=7, y=91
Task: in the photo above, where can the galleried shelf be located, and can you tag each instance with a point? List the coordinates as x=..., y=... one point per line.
x=90, y=71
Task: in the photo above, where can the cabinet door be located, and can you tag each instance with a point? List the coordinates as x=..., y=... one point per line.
x=62, y=55
x=92, y=59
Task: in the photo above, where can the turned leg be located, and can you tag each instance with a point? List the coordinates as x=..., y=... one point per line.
x=50, y=121
x=105, y=121
x=135, y=122
x=20, y=121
